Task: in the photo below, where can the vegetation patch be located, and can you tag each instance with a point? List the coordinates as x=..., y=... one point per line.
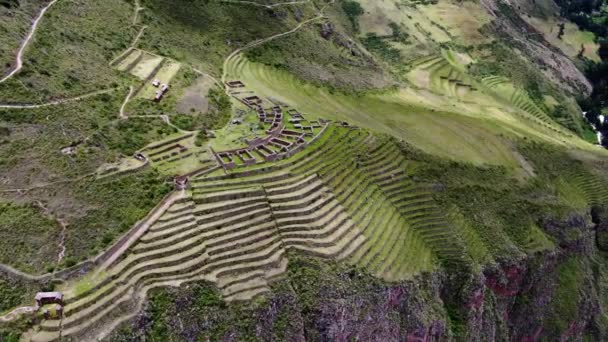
x=69, y=54
x=118, y=204
x=29, y=238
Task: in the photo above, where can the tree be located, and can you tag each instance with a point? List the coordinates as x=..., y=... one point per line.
x=353, y=10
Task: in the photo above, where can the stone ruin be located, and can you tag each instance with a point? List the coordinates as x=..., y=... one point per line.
x=279, y=142
x=235, y=84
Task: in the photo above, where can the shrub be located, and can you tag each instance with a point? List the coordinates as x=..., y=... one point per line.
x=353, y=10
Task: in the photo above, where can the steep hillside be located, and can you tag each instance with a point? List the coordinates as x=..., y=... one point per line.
x=304, y=170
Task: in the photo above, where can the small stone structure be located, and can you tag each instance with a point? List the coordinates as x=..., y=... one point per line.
x=161, y=92
x=181, y=182
x=235, y=84
x=69, y=150
x=45, y=298
x=139, y=156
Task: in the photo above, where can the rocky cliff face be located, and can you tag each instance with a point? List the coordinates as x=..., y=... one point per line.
x=553, y=295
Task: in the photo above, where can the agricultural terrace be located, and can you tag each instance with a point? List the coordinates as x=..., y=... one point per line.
x=347, y=196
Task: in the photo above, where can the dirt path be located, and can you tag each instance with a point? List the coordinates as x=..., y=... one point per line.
x=16, y=313
x=163, y=117
x=265, y=40
x=121, y=114
x=266, y=6
x=64, y=226
x=24, y=190
x=61, y=246
x=26, y=41
x=138, y=36
x=57, y=102
x=138, y=8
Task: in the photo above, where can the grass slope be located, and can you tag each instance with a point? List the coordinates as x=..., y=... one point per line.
x=459, y=130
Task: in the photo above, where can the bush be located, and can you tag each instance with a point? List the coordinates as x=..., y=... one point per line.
x=353, y=10
x=374, y=43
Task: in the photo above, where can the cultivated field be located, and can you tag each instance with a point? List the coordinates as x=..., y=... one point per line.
x=147, y=67
x=347, y=196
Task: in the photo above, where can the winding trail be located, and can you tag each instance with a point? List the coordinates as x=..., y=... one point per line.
x=263, y=5
x=321, y=15
x=138, y=36
x=26, y=41
x=57, y=102
x=138, y=8
x=16, y=313
x=163, y=117
x=121, y=114
x=61, y=246
x=41, y=186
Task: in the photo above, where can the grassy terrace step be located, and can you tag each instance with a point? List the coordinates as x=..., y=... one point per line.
x=278, y=176
x=308, y=214
x=387, y=237
x=246, y=249
x=157, y=235
x=181, y=207
x=375, y=233
x=229, y=235
x=320, y=229
x=99, y=305
x=390, y=156
x=338, y=176
x=327, y=248
x=173, y=222
x=76, y=312
x=286, y=188
x=379, y=153
x=227, y=195
x=230, y=211
x=297, y=193
x=423, y=60
x=124, y=275
x=70, y=328
x=246, y=263
x=298, y=202
x=403, y=240
x=244, y=219
x=167, y=142
x=282, y=215
x=207, y=208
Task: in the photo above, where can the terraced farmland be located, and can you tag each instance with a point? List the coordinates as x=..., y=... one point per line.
x=591, y=186
x=520, y=99
x=347, y=196
x=444, y=78
x=146, y=66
